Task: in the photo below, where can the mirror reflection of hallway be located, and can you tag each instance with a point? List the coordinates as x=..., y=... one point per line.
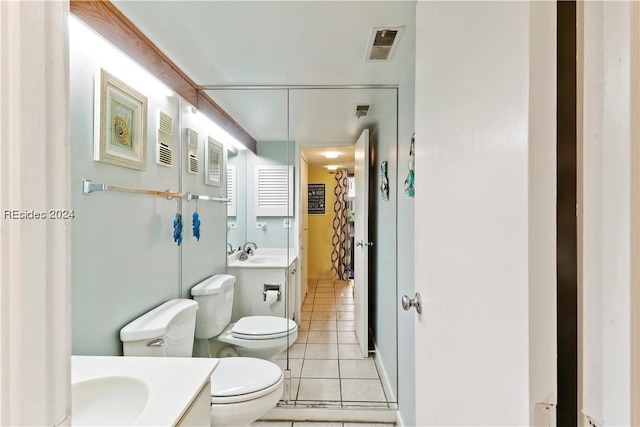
x=332, y=367
x=323, y=120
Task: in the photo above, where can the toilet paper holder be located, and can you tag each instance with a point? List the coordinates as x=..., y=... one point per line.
x=270, y=287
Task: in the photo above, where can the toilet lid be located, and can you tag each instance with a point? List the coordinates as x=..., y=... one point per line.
x=235, y=377
x=262, y=327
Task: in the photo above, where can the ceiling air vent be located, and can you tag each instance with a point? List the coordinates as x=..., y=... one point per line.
x=164, y=153
x=362, y=110
x=382, y=43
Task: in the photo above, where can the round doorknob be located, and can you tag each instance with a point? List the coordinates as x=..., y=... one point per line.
x=416, y=302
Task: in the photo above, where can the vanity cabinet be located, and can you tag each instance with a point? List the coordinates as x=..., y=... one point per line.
x=251, y=282
x=199, y=412
x=159, y=391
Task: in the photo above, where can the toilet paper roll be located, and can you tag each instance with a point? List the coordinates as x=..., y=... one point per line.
x=272, y=296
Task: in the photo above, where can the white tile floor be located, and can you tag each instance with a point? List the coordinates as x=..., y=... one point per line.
x=326, y=363
x=316, y=424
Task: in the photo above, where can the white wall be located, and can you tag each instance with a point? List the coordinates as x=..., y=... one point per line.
x=405, y=263
x=238, y=236
x=609, y=90
x=201, y=258
x=274, y=235
x=542, y=214
x=474, y=131
x=383, y=255
x=124, y=259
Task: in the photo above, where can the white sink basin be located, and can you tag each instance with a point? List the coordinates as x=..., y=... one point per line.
x=108, y=401
x=261, y=259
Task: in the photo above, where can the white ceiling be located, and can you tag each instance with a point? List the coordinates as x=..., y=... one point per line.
x=316, y=158
x=283, y=43
x=318, y=116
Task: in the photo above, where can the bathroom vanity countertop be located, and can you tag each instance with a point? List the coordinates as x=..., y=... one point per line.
x=173, y=382
x=263, y=258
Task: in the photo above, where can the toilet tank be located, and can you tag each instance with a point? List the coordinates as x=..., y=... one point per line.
x=167, y=330
x=215, y=300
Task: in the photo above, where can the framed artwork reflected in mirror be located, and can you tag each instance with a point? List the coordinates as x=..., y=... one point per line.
x=214, y=163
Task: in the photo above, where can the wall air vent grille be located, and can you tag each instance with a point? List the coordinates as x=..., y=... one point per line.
x=194, y=165
x=165, y=155
x=382, y=43
x=231, y=190
x=192, y=137
x=165, y=123
x=164, y=152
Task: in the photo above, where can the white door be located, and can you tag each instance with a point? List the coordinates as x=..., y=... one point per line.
x=361, y=238
x=304, y=225
x=478, y=228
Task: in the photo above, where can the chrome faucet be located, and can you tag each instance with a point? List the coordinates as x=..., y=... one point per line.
x=246, y=250
x=229, y=248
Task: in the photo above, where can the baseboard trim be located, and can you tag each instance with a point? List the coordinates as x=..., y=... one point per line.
x=399, y=420
x=386, y=385
x=331, y=415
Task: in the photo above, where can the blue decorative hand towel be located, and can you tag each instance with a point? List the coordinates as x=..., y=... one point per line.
x=177, y=229
x=196, y=225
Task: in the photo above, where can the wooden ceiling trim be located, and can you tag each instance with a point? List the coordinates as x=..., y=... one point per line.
x=104, y=18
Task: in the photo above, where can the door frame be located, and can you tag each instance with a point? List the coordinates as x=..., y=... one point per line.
x=361, y=296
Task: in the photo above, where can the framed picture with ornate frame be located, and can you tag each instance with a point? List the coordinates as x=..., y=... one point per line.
x=120, y=122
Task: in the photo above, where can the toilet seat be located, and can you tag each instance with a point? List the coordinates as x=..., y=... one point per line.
x=240, y=379
x=262, y=327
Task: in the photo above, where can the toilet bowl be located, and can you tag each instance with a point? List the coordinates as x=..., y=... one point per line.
x=263, y=337
x=262, y=385
x=242, y=388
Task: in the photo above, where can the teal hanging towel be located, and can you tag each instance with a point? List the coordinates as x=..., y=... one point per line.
x=196, y=225
x=177, y=229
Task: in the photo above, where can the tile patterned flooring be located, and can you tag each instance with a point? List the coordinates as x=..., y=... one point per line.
x=316, y=424
x=327, y=367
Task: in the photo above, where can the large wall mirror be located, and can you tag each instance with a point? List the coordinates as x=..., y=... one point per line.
x=283, y=196
x=311, y=132
x=263, y=113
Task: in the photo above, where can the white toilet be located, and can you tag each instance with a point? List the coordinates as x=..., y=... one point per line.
x=263, y=337
x=242, y=388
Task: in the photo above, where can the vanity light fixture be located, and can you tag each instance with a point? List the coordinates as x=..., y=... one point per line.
x=331, y=154
x=218, y=133
x=129, y=71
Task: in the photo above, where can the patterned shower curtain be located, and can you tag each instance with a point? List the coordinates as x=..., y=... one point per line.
x=341, y=253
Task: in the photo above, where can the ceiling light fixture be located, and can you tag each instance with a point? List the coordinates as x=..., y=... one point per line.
x=332, y=167
x=331, y=154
